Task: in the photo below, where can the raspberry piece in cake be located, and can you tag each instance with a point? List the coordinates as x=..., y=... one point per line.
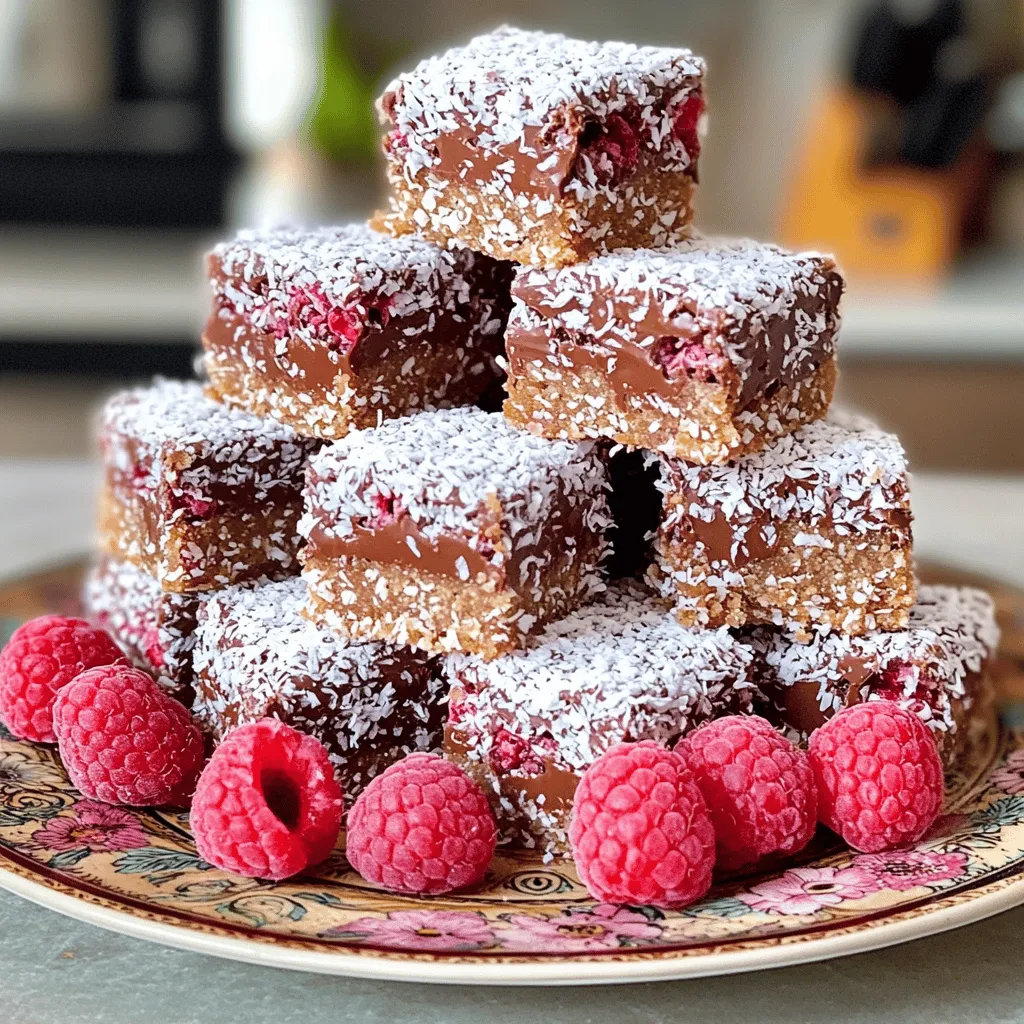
x=705, y=352
x=532, y=147
x=154, y=627
x=257, y=657
x=452, y=531
x=197, y=495
x=934, y=667
x=814, y=531
x=527, y=726
x=335, y=329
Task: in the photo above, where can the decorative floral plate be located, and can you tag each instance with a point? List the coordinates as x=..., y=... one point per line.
x=137, y=872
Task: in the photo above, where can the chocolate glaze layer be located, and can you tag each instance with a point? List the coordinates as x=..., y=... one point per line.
x=556, y=785
x=797, y=706
x=393, y=545
x=229, y=338
x=756, y=536
x=629, y=365
x=539, y=165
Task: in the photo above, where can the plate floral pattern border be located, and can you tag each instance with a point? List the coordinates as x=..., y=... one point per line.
x=143, y=864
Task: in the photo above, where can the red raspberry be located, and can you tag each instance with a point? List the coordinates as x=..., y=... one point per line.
x=41, y=656
x=758, y=786
x=685, y=119
x=124, y=741
x=612, y=146
x=879, y=776
x=268, y=804
x=423, y=826
x=640, y=830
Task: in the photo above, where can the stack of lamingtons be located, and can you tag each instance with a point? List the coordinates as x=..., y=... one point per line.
x=664, y=525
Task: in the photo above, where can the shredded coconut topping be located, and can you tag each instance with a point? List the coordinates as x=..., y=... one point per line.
x=619, y=668
x=952, y=633
x=843, y=467
x=731, y=290
x=155, y=628
x=502, y=82
x=256, y=654
x=447, y=469
x=194, y=442
x=345, y=264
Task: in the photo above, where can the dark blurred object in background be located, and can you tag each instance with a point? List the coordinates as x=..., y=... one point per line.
x=896, y=171
x=111, y=113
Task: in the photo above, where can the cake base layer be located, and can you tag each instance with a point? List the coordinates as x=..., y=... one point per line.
x=583, y=404
x=365, y=600
x=208, y=554
x=653, y=208
x=814, y=577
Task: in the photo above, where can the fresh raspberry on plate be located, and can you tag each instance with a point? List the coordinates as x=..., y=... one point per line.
x=268, y=804
x=759, y=788
x=422, y=826
x=124, y=741
x=879, y=776
x=41, y=656
x=640, y=830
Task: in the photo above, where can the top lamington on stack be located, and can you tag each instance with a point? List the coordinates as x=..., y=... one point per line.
x=545, y=150
x=665, y=419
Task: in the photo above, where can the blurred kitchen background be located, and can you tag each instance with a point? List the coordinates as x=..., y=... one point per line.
x=135, y=132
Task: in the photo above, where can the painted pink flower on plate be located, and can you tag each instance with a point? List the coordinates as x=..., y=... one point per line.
x=578, y=931
x=429, y=931
x=94, y=826
x=907, y=869
x=808, y=890
x=1009, y=776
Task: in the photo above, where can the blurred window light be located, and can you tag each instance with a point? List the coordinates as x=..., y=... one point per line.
x=1005, y=126
x=273, y=66
x=168, y=43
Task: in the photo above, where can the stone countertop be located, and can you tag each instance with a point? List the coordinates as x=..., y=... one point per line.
x=57, y=971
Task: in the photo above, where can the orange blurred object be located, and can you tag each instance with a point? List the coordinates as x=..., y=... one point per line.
x=893, y=221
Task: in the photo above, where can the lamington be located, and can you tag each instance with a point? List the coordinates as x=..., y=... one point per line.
x=532, y=147
x=527, y=725
x=934, y=667
x=153, y=626
x=339, y=328
x=814, y=531
x=197, y=495
x=452, y=531
x=705, y=352
x=256, y=656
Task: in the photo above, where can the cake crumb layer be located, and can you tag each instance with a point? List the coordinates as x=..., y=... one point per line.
x=814, y=531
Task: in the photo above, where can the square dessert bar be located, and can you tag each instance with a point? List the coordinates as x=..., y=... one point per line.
x=369, y=704
x=704, y=352
x=452, y=531
x=336, y=329
x=934, y=667
x=154, y=627
x=527, y=725
x=814, y=531
x=544, y=150
x=195, y=494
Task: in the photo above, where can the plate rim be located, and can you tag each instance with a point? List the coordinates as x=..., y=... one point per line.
x=384, y=965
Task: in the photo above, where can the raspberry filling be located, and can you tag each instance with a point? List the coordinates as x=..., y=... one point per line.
x=397, y=141
x=152, y=648
x=511, y=753
x=196, y=506
x=388, y=509
x=340, y=327
x=610, y=149
x=901, y=681
x=687, y=357
x=685, y=119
